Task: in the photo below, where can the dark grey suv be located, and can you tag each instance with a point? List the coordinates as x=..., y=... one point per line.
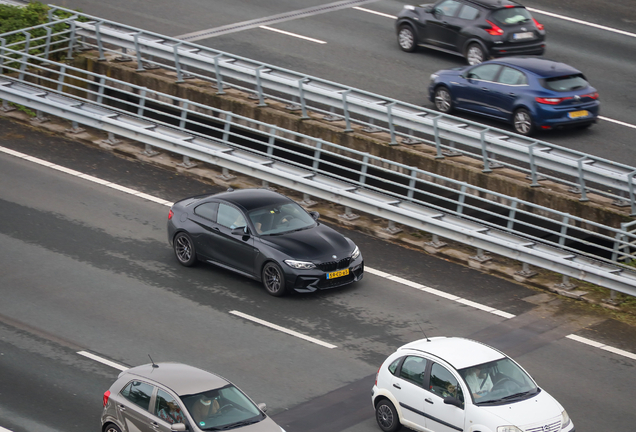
x=474, y=29
x=170, y=397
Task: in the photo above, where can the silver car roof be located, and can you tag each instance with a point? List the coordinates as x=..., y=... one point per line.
x=180, y=378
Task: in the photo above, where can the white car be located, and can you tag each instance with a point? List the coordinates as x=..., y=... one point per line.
x=453, y=384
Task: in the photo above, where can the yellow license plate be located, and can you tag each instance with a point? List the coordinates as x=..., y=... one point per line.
x=337, y=274
x=577, y=114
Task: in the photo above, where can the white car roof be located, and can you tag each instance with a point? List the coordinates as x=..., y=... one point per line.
x=458, y=352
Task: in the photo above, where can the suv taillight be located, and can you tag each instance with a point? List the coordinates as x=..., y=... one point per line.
x=538, y=24
x=170, y=214
x=106, y=396
x=494, y=29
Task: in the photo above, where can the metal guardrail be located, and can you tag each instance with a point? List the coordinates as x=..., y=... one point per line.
x=408, y=123
x=407, y=195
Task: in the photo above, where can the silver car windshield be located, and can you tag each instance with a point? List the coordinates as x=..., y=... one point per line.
x=279, y=219
x=500, y=381
x=222, y=409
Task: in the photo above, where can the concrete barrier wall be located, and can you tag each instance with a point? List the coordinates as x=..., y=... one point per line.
x=503, y=181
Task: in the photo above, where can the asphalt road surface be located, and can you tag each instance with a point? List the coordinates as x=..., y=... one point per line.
x=86, y=267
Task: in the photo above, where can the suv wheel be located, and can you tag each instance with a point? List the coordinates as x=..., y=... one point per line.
x=475, y=54
x=406, y=38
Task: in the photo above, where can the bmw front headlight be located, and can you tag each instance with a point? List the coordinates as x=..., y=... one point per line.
x=356, y=253
x=301, y=265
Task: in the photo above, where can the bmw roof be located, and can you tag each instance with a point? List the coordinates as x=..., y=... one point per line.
x=250, y=199
x=458, y=352
x=541, y=67
x=180, y=378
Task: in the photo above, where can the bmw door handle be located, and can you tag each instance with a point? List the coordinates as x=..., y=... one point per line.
x=397, y=386
x=429, y=400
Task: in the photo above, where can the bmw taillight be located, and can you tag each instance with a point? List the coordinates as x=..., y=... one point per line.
x=551, y=100
x=538, y=24
x=170, y=214
x=494, y=29
x=106, y=396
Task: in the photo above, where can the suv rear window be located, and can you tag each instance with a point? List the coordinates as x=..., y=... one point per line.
x=565, y=83
x=512, y=16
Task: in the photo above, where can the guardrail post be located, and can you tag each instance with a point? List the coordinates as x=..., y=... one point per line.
x=565, y=284
x=60, y=79
x=345, y=109
x=461, y=199
x=100, y=90
x=71, y=42
x=525, y=271
x=140, y=63
x=511, y=215
x=100, y=46
x=348, y=215
x=111, y=140
x=316, y=164
x=75, y=128
x=484, y=152
x=412, y=181
x=438, y=142
x=630, y=183
x=177, y=64
x=6, y=107
x=219, y=78
x=271, y=141
x=533, y=165
x=226, y=127
x=142, y=102
x=27, y=43
x=259, y=88
x=363, y=169
x=301, y=93
x=392, y=228
x=3, y=42
x=47, y=47
x=389, y=115
x=307, y=201
x=564, y=230
x=184, y=114
x=581, y=181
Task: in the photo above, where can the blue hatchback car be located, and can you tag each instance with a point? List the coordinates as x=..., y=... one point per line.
x=531, y=93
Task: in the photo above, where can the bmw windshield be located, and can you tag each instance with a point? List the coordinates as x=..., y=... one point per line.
x=280, y=218
x=498, y=382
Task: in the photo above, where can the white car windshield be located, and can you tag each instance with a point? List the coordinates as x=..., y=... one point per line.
x=500, y=381
x=222, y=409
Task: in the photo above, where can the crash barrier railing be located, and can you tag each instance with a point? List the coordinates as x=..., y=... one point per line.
x=474, y=216
x=406, y=123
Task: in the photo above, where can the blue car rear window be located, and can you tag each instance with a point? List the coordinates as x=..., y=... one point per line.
x=565, y=83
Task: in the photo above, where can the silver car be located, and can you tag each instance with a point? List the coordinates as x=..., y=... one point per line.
x=167, y=397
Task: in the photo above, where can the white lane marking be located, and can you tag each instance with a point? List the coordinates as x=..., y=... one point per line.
x=293, y=34
x=283, y=329
x=1, y=428
x=103, y=360
x=374, y=12
x=602, y=346
x=617, y=122
x=86, y=177
x=370, y=270
x=587, y=23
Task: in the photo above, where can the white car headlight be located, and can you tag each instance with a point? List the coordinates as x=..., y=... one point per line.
x=356, y=253
x=434, y=77
x=509, y=428
x=565, y=421
x=302, y=265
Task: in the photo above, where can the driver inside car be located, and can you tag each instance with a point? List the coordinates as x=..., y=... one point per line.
x=205, y=407
x=479, y=382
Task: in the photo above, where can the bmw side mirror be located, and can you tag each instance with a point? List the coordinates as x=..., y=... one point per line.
x=449, y=400
x=428, y=9
x=178, y=427
x=262, y=407
x=314, y=214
